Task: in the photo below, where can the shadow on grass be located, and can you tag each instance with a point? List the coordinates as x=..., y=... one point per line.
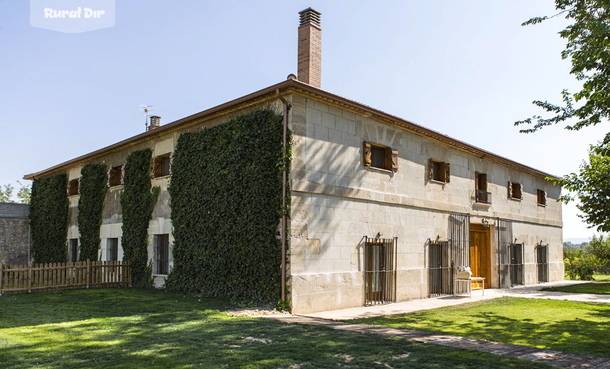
x=602, y=288
x=169, y=333
x=558, y=325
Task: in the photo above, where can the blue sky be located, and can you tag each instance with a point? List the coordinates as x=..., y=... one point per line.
x=465, y=68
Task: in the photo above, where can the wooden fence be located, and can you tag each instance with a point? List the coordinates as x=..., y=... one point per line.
x=37, y=277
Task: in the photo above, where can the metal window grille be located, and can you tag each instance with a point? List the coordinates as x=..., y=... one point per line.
x=516, y=263
x=542, y=262
x=73, y=248
x=380, y=270
x=113, y=249
x=439, y=268
x=459, y=233
x=505, y=238
x=161, y=254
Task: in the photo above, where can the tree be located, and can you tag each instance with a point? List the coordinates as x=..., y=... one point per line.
x=24, y=194
x=599, y=247
x=588, y=49
x=591, y=185
x=6, y=194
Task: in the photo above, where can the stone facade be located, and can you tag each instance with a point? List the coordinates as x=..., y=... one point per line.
x=14, y=233
x=337, y=200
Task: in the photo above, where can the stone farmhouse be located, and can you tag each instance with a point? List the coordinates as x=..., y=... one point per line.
x=381, y=209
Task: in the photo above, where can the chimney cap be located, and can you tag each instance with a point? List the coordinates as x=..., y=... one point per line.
x=309, y=16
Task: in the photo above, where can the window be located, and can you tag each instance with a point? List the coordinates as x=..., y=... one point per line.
x=439, y=171
x=480, y=188
x=73, y=249
x=541, y=197
x=112, y=249
x=515, y=191
x=73, y=187
x=161, y=254
x=115, y=176
x=379, y=156
x=162, y=166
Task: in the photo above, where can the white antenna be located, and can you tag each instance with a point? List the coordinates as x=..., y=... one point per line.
x=147, y=109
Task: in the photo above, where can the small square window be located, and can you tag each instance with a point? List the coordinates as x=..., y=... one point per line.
x=379, y=156
x=439, y=171
x=162, y=166
x=73, y=187
x=112, y=249
x=115, y=176
x=161, y=245
x=541, y=197
x=515, y=191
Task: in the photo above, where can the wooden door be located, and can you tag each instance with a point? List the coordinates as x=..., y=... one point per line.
x=480, y=254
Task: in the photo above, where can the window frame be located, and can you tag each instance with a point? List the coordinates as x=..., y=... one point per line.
x=162, y=165
x=74, y=187
x=481, y=195
x=112, y=249
x=512, y=187
x=442, y=168
x=389, y=161
x=541, y=197
x=161, y=248
x=73, y=249
x=116, y=176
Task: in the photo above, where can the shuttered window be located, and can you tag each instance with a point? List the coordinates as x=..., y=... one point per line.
x=162, y=166
x=439, y=171
x=115, y=176
x=379, y=156
x=515, y=191
x=541, y=197
x=73, y=187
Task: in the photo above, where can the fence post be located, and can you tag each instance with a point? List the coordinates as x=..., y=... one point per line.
x=88, y=272
x=29, y=277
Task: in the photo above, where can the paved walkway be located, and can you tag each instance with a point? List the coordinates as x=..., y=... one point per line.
x=335, y=319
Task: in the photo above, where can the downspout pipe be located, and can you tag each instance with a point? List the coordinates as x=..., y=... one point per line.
x=284, y=224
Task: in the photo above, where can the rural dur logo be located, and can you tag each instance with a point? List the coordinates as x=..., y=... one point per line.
x=72, y=16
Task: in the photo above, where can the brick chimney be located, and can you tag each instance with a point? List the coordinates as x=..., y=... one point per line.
x=155, y=122
x=310, y=48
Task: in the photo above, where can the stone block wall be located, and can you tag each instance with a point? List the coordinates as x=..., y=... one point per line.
x=14, y=233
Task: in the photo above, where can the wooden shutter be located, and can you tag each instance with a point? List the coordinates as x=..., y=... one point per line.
x=156, y=171
x=476, y=181
x=394, y=160
x=122, y=174
x=447, y=172
x=431, y=170
x=367, y=160
x=509, y=187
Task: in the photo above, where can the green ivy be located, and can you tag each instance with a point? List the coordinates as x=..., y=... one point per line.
x=90, y=205
x=49, y=219
x=226, y=191
x=138, y=201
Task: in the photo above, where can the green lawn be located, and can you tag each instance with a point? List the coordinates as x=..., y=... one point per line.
x=558, y=325
x=593, y=287
x=130, y=328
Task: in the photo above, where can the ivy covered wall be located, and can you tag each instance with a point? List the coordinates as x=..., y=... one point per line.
x=226, y=194
x=90, y=206
x=137, y=201
x=49, y=219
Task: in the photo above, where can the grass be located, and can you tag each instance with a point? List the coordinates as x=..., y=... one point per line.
x=130, y=328
x=558, y=325
x=602, y=288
